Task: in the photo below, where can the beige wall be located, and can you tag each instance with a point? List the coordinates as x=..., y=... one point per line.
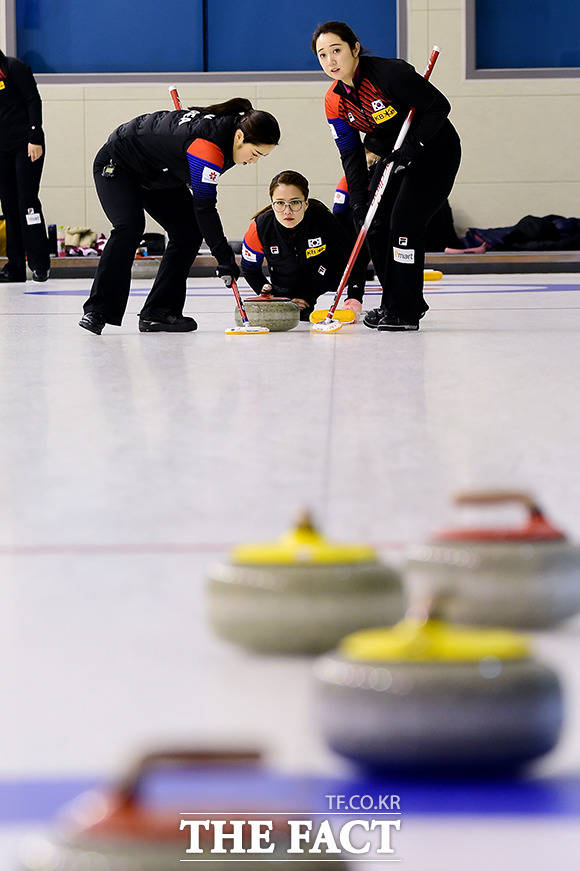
x=519, y=135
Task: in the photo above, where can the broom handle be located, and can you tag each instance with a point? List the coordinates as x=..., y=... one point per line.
x=239, y=302
x=378, y=194
x=175, y=96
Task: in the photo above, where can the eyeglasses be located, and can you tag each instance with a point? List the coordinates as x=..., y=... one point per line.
x=295, y=205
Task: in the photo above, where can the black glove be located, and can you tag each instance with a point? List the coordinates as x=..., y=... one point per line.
x=228, y=272
x=404, y=156
x=359, y=213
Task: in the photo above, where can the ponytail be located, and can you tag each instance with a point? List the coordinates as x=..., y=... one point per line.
x=235, y=106
x=259, y=128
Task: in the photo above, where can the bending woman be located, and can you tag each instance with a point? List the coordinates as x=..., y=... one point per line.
x=373, y=95
x=303, y=244
x=169, y=164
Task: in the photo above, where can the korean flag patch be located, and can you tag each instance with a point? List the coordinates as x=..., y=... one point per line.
x=377, y=105
x=314, y=243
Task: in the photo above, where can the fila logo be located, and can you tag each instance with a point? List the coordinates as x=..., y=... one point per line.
x=210, y=176
x=314, y=243
x=351, y=117
x=377, y=105
x=403, y=241
x=322, y=270
x=274, y=249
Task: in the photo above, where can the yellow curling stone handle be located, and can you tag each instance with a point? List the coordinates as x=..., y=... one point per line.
x=303, y=545
x=433, y=641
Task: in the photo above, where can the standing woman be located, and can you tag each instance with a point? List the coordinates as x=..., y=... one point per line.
x=21, y=162
x=168, y=164
x=303, y=243
x=373, y=95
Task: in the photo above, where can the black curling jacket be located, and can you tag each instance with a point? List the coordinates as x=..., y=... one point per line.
x=20, y=106
x=304, y=261
x=169, y=149
x=384, y=91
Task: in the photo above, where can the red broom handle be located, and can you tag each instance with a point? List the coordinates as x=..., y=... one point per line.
x=175, y=96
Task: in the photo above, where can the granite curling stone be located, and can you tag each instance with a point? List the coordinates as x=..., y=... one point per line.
x=427, y=697
x=301, y=594
x=277, y=313
x=117, y=830
x=526, y=577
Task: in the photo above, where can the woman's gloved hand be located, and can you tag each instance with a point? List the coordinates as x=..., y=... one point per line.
x=228, y=272
x=404, y=156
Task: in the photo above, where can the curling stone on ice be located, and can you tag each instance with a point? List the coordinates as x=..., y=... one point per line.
x=302, y=593
x=426, y=696
x=120, y=830
x=275, y=312
x=526, y=576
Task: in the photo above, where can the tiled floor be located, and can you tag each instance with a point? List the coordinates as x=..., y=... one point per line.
x=130, y=462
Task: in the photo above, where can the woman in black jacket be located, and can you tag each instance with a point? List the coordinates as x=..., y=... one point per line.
x=304, y=245
x=169, y=164
x=374, y=95
x=21, y=161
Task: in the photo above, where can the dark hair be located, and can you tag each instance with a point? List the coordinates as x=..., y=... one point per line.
x=290, y=176
x=259, y=128
x=341, y=29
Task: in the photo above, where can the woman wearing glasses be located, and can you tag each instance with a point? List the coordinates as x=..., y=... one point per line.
x=304, y=246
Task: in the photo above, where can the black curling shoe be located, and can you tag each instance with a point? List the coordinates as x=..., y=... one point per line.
x=40, y=275
x=9, y=277
x=373, y=317
x=93, y=323
x=395, y=324
x=167, y=324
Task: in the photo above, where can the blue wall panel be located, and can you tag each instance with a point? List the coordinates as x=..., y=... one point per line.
x=110, y=35
x=270, y=35
x=511, y=34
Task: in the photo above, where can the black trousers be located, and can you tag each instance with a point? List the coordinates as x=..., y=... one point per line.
x=125, y=202
x=25, y=227
x=397, y=235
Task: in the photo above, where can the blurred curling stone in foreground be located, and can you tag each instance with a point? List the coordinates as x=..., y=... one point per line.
x=526, y=577
x=426, y=697
x=302, y=593
x=277, y=313
x=123, y=829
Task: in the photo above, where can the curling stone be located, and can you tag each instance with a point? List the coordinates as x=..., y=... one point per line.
x=145, y=267
x=428, y=696
x=526, y=577
x=302, y=593
x=118, y=830
x=275, y=312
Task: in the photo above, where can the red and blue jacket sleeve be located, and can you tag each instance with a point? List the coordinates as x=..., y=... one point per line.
x=341, y=197
x=352, y=153
x=206, y=162
x=253, y=258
